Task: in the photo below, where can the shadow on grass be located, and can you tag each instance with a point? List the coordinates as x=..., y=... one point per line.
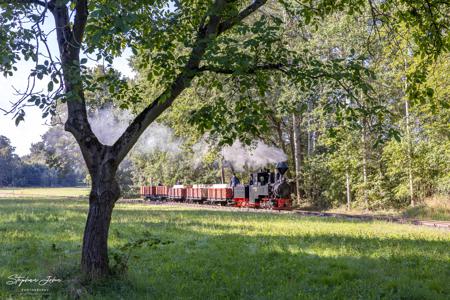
x=222, y=254
x=246, y=214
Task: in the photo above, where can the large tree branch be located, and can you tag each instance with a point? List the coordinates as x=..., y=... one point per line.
x=127, y=140
x=79, y=23
x=214, y=27
x=229, y=23
x=77, y=122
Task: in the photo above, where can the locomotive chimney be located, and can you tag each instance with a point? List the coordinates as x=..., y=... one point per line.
x=282, y=167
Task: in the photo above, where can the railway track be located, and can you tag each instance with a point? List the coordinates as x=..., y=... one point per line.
x=427, y=223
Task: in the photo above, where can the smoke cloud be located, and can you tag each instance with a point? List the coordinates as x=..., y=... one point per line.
x=109, y=123
x=259, y=156
x=200, y=149
x=158, y=137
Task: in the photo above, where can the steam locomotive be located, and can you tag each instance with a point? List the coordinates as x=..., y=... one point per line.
x=265, y=190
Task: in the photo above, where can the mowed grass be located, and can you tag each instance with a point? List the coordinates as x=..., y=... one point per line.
x=225, y=255
x=44, y=192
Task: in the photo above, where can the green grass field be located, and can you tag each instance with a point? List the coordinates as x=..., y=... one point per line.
x=223, y=255
x=434, y=208
x=44, y=192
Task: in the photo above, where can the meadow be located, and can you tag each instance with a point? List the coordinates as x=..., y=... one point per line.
x=207, y=254
x=66, y=192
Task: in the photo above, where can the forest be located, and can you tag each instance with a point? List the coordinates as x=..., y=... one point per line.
x=377, y=138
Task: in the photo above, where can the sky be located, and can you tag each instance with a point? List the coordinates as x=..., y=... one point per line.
x=31, y=130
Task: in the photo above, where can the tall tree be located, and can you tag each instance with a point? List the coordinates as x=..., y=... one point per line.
x=182, y=43
x=8, y=162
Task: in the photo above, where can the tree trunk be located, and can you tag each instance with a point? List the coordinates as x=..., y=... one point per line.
x=291, y=144
x=105, y=192
x=295, y=125
x=366, y=198
x=310, y=133
x=280, y=136
x=364, y=142
x=347, y=183
x=409, y=142
x=222, y=171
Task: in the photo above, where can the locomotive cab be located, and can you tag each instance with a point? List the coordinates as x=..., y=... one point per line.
x=270, y=189
x=260, y=189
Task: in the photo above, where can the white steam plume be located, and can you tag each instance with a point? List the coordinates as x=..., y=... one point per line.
x=158, y=137
x=200, y=149
x=108, y=124
x=255, y=158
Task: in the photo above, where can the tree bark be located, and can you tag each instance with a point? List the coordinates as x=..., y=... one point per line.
x=347, y=184
x=364, y=142
x=310, y=145
x=409, y=142
x=290, y=128
x=94, y=257
x=105, y=191
x=295, y=125
x=281, y=141
x=222, y=171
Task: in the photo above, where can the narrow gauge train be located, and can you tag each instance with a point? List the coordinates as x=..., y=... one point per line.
x=265, y=190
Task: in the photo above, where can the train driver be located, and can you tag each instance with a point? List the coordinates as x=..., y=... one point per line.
x=234, y=181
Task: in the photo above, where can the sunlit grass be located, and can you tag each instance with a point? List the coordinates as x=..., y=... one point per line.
x=221, y=254
x=437, y=208
x=44, y=192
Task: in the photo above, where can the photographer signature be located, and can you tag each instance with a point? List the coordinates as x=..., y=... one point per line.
x=19, y=280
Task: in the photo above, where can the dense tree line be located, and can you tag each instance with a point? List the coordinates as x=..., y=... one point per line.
x=372, y=150
x=43, y=167
x=371, y=146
